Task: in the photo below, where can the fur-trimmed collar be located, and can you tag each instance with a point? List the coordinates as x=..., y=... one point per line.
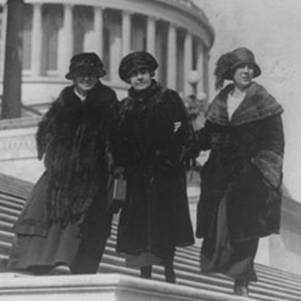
x=139, y=100
x=147, y=93
x=258, y=104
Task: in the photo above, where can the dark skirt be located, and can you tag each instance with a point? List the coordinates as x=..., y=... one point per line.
x=77, y=245
x=155, y=218
x=232, y=258
x=58, y=247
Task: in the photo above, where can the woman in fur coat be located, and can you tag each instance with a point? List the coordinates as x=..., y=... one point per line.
x=241, y=181
x=66, y=219
x=154, y=131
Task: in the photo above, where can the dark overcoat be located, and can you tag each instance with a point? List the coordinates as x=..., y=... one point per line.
x=244, y=166
x=156, y=215
x=75, y=139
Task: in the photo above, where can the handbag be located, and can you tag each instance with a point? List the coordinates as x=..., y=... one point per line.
x=119, y=189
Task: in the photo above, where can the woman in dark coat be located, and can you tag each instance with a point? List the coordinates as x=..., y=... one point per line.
x=66, y=219
x=155, y=218
x=241, y=181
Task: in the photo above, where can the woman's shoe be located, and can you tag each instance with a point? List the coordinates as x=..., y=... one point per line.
x=146, y=272
x=241, y=288
x=170, y=276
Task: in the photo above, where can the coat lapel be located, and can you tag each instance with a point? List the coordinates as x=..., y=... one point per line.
x=258, y=104
x=217, y=112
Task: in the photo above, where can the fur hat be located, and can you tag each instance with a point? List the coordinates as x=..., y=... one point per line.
x=86, y=62
x=135, y=61
x=228, y=63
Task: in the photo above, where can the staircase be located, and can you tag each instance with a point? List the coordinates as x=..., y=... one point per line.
x=273, y=284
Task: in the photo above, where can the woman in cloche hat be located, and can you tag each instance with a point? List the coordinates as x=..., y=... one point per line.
x=240, y=189
x=66, y=219
x=154, y=130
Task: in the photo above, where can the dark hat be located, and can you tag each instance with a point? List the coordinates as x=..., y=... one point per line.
x=228, y=63
x=135, y=61
x=86, y=62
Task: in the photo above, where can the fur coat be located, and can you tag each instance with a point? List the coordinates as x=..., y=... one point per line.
x=76, y=141
x=156, y=215
x=244, y=166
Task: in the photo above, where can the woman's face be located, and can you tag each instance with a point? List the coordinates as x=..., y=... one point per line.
x=85, y=82
x=243, y=76
x=140, y=79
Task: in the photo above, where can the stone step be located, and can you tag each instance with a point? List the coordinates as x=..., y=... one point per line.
x=200, y=280
x=112, y=264
x=273, y=285
x=5, y=247
x=278, y=272
x=103, y=287
x=206, y=280
x=193, y=277
x=109, y=268
x=183, y=253
x=20, y=201
x=8, y=218
x=106, y=268
x=13, y=213
x=6, y=236
x=6, y=202
x=7, y=221
x=6, y=226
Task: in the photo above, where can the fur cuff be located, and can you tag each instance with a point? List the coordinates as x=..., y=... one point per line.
x=270, y=165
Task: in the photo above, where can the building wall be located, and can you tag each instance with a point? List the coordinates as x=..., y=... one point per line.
x=176, y=32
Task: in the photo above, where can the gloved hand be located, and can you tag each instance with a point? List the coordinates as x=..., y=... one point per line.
x=118, y=172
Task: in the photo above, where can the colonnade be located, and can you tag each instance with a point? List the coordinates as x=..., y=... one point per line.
x=123, y=46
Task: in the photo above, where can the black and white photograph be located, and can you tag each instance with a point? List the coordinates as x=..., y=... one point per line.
x=150, y=150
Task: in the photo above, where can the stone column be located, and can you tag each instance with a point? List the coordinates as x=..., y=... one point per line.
x=36, y=40
x=67, y=48
x=3, y=35
x=12, y=79
x=126, y=32
x=116, y=49
x=98, y=29
x=187, y=63
x=151, y=35
x=172, y=57
x=206, y=70
x=200, y=67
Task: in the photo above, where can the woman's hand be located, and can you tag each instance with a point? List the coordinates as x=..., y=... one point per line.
x=177, y=125
x=118, y=172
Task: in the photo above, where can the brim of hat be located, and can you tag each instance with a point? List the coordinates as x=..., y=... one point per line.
x=257, y=70
x=72, y=75
x=126, y=75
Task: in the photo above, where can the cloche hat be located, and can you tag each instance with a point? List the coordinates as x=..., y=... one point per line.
x=228, y=63
x=86, y=62
x=135, y=61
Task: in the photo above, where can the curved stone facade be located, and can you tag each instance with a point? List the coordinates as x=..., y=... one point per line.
x=177, y=32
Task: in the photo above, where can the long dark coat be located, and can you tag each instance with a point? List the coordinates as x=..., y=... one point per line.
x=156, y=215
x=76, y=141
x=244, y=166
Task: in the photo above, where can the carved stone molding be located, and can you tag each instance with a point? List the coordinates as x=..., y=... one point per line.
x=18, y=145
